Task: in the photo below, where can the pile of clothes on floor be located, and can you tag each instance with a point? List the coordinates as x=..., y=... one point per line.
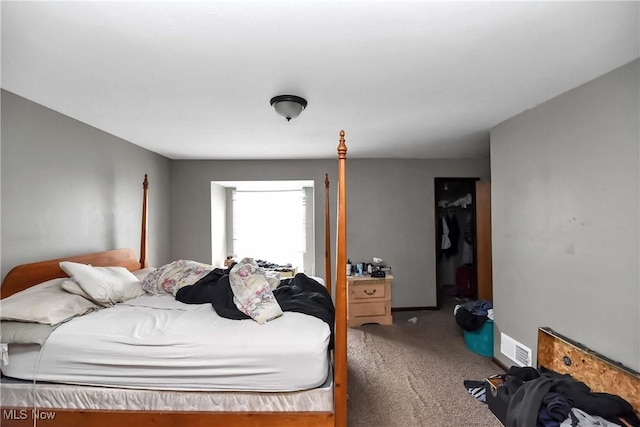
x=471, y=315
x=546, y=398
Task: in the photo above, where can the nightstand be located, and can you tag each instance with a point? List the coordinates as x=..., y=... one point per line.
x=369, y=300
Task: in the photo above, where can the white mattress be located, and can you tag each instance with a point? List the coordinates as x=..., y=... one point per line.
x=156, y=342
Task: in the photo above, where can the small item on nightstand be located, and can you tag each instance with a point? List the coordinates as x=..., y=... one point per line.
x=348, y=267
x=377, y=268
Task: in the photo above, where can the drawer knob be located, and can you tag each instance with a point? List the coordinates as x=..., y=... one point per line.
x=369, y=292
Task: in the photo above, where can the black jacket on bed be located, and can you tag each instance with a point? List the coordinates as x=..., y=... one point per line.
x=300, y=294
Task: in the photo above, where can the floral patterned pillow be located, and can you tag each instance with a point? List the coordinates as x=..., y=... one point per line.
x=169, y=278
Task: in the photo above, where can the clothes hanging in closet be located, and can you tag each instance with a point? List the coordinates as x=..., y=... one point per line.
x=450, y=232
x=444, y=231
x=467, y=244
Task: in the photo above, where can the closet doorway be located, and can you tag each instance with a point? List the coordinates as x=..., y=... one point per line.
x=456, y=238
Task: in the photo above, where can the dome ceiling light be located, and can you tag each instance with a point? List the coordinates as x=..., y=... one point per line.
x=288, y=106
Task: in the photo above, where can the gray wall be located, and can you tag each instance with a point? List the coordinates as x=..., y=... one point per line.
x=565, y=218
x=219, y=228
x=390, y=209
x=68, y=188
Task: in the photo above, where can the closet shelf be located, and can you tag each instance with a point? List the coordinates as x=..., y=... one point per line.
x=451, y=208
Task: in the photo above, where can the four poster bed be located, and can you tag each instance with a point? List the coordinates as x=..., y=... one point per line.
x=317, y=401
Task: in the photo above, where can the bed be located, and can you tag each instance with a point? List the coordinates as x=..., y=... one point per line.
x=311, y=397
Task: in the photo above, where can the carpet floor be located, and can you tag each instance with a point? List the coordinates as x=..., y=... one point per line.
x=411, y=374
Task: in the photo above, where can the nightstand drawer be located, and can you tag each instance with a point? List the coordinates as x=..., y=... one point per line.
x=367, y=291
x=369, y=309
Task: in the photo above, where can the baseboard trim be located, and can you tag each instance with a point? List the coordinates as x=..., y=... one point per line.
x=500, y=364
x=412, y=308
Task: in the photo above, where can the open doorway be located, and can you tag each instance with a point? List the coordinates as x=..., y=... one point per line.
x=455, y=226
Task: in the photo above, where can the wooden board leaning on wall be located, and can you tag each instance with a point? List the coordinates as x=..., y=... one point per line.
x=603, y=375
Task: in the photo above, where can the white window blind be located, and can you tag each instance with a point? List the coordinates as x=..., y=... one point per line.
x=270, y=225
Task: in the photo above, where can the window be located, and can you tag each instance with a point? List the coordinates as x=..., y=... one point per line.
x=270, y=225
x=266, y=220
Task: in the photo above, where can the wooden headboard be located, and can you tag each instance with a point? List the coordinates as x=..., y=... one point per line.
x=24, y=276
x=602, y=375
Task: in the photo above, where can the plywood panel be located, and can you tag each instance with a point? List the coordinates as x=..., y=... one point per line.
x=562, y=355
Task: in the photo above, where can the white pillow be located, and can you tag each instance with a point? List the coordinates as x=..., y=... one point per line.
x=70, y=285
x=45, y=303
x=24, y=333
x=104, y=285
x=131, y=291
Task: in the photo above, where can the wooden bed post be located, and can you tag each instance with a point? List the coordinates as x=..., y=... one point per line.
x=327, y=235
x=143, y=233
x=340, y=351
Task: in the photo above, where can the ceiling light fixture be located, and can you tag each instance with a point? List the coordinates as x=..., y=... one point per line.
x=288, y=106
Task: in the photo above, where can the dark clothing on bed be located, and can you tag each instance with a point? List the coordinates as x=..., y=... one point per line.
x=213, y=288
x=300, y=294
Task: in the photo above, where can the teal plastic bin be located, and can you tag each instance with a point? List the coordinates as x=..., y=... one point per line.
x=480, y=341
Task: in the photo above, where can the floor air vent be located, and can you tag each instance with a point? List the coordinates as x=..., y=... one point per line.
x=519, y=353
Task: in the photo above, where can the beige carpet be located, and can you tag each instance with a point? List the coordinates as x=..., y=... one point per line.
x=412, y=374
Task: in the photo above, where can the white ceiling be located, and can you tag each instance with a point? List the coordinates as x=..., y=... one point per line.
x=404, y=79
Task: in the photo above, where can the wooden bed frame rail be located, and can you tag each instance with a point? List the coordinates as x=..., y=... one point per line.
x=26, y=275
x=17, y=417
